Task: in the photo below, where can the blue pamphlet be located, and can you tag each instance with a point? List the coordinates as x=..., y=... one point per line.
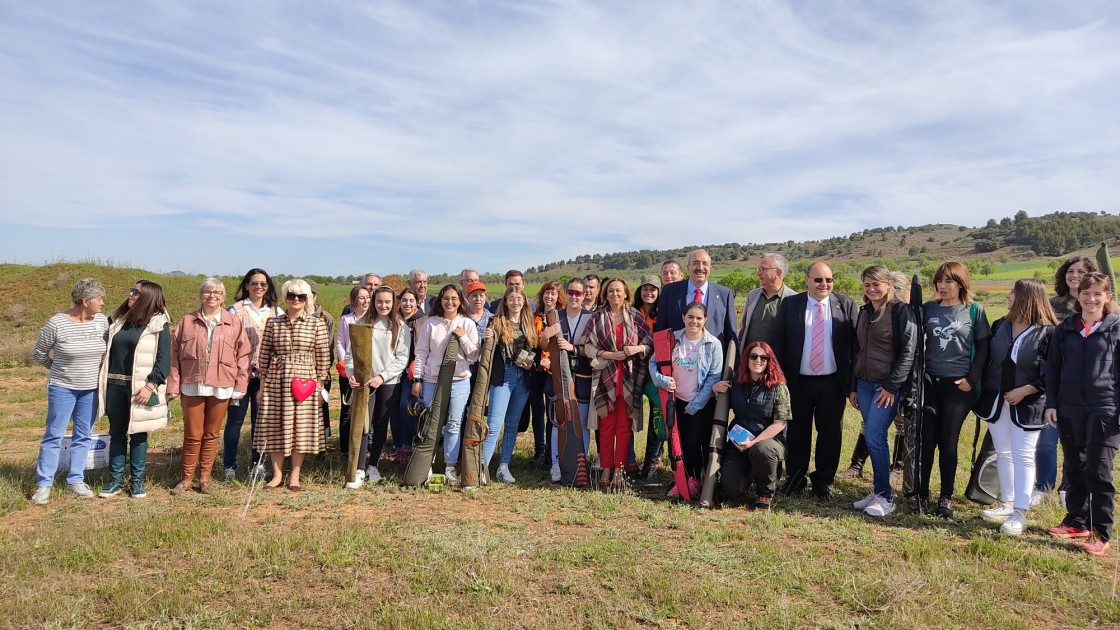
x=739, y=435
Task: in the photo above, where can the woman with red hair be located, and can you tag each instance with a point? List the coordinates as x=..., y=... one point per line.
x=760, y=400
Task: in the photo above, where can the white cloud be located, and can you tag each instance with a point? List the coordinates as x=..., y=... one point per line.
x=514, y=134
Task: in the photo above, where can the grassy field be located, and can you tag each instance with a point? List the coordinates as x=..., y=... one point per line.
x=529, y=554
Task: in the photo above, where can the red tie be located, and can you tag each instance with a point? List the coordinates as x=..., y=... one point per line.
x=698, y=296
x=816, y=349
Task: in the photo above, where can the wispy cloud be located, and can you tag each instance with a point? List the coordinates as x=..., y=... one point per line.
x=390, y=135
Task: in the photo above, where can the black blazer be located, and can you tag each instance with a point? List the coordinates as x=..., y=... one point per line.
x=721, y=309
x=789, y=337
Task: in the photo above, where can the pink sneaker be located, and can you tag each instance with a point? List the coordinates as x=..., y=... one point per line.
x=693, y=487
x=673, y=492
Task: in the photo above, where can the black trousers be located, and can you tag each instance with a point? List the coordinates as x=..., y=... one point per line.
x=1088, y=470
x=815, y=401
x=344, y=414
x=382, y=401
x=946, y=408
x=760, y=464
x=694, y=433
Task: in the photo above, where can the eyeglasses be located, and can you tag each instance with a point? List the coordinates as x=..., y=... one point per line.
x=258, y=283
x=292, y=297
x=573, y=293
x=822, y=280
x=762, y=269
x=134, y=291
x=758, y=357
x=216, y=292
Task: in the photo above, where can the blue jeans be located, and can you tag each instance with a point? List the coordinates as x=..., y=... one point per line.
x=876, y=421
x=452, y=431
x=583, y=409
x=64, y=404
x=235, y=419
x=1046, y=459
x=507, y=402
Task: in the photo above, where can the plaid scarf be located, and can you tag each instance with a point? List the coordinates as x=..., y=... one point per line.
x=635, y=331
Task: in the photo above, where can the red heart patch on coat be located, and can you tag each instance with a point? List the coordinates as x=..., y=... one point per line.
x=302, y=388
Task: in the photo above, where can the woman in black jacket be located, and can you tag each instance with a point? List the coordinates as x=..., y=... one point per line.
x=1012, y=398
x=1081, y=378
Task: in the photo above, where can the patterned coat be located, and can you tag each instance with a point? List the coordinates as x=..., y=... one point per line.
x=291, y=349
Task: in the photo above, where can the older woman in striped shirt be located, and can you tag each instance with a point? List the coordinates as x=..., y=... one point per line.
x=70, y=346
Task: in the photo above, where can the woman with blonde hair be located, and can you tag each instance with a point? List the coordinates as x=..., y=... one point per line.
x=295, y=363
x=517, y=351
x=1012, y=398
x=209, y=369
x=886, y=335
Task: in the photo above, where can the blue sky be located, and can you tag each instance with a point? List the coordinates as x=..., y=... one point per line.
x=345, y=136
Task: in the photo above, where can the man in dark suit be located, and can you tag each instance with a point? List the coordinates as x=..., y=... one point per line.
x=514, y=278
x=814, y=340
x=418, y=282
x=718, y=299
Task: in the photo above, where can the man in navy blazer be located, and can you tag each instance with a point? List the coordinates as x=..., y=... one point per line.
x=818, y=376
x=718, y=299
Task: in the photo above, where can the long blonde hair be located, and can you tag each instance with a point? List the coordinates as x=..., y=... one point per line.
x=503, y=327
x=879, y=273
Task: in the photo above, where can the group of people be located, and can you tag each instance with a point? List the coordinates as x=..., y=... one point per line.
x=1045, y=370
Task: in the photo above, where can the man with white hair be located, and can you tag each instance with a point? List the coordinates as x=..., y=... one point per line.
x=761, y=308
x=716, y=298
x=418, y=282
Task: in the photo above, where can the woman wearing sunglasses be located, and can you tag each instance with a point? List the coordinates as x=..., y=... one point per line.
x=254, y=304
x=132, y=388
x=294, y=363
x=760, y=401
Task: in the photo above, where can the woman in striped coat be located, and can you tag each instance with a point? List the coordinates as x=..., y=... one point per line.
x=295, y=345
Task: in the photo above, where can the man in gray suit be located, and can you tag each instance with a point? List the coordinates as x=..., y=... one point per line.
x=761, y=308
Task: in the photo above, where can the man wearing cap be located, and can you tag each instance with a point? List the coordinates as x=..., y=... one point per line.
x=761, y=308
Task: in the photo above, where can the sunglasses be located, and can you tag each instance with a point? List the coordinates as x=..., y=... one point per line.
x=258, y=283
x=822, y=280
x=758, y=357
x=572, y=293
x=134, y=291
x=292, y=297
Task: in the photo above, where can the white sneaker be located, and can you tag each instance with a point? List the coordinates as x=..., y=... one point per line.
x=1036, y=497
x=879, y=507
x=231, y=474
x=504, y=475
x=42, y=495
x=258, y=472
x=373, y=475
x=359, y=479
x=81, y=489
x=864, y=502
x=997, y=514
x=450, y=477
x=555, y=473
x=1015, y=524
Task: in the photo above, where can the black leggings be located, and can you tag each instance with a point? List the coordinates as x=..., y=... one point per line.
x=381, y=402
x=694, y=431
x=946, y=408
